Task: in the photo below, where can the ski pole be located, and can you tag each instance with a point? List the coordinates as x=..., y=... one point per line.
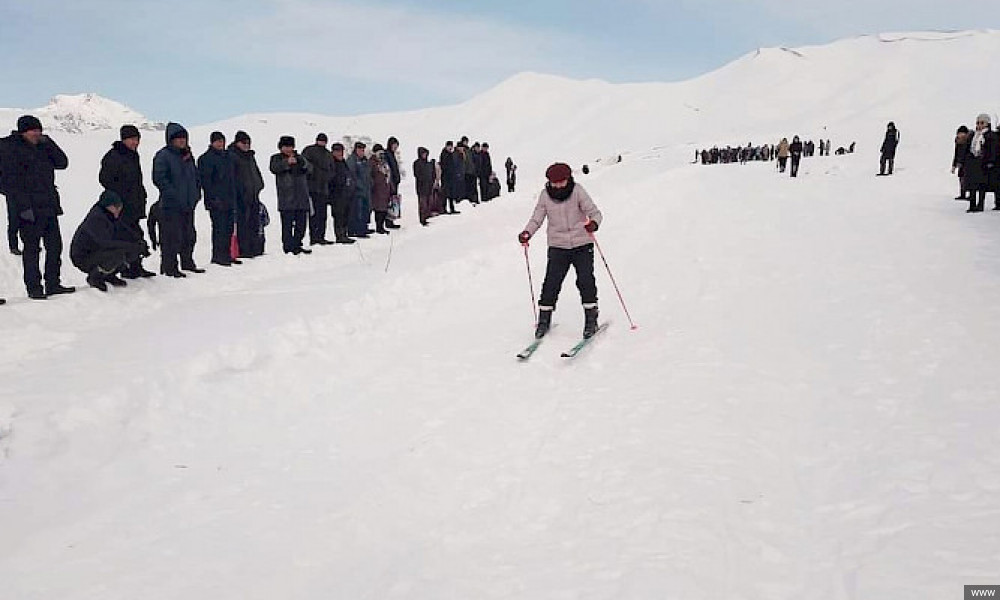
x=531, y=284
x=388, y=260
x=613, y=282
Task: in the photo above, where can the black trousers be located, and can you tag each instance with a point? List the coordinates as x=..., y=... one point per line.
x=248, y=230
x=317, y=220
x=223, y=221
x=782, y=163
x=341, y=209
x=293, y=229
x=177, y=239
x=12, y=220
x=795, y=165
x=43, y=230
x=889, y=161
x=107, y=261
x=977, y=198
x=471, y=191
x=582, y=260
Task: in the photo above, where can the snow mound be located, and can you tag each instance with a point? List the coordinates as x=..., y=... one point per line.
x=82, y=113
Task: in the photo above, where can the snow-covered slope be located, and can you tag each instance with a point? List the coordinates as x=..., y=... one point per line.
x=807, y=408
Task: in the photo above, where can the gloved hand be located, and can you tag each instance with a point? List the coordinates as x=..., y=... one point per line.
x=590, y=226
x=27, y=215
x=523, y=237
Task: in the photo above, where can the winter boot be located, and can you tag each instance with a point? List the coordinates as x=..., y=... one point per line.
x=96, y=280
x=114, y=280
x=589, y=321
x=544, y=322
x=55, y=290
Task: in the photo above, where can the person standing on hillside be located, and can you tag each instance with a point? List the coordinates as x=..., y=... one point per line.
x=319, y=188
x=175, y=174
x=469, y=171
x=361, y=207
x=249, y=184
x=381, y=177
x=424, y=176
x=958, y=162
x=391, y=159
x=795, y=151
x=572, y=218
x=452, y=177
x=104, y=244
x=29, y=160
x=783, y=155
x=511, y=174
x=217, y=170
x=121, y=172
x=290, y=173
x=889, y=145
x=485, y=170
x=341, y=193
x=981, y=159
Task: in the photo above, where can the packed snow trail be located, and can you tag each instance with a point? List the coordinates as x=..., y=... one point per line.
x=808, y=407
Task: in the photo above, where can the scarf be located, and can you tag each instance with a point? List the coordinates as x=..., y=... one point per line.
x=978, y=141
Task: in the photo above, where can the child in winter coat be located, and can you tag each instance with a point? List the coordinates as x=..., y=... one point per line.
x=573, y=218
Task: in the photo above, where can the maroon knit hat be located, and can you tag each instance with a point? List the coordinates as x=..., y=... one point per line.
x=558, y=172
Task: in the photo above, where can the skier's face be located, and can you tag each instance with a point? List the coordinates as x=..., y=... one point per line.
x=560, y=184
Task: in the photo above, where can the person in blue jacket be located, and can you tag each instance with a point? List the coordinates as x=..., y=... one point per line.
x=176, y=176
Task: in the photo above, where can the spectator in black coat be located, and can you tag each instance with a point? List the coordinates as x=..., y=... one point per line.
x=889, y=149
x=290, y=171
x=981, y=160
x=249, y=184
x=485, y=171
x=341, y=194
x=511, y=174
x=957, y=162
x=121, y=172
x=795, y=150
x=104, y=244
x=28, y=162
x=321, y=161
x=424, y=175
x=175, y=174
x=217, y=170
x=452, y=177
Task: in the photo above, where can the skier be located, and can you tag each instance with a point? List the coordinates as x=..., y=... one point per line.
x=572, y=218
x=889, y=149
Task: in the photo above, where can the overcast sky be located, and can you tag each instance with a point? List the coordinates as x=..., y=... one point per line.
x=201, y=60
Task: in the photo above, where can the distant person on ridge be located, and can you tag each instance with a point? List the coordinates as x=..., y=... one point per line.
x=795, y=150
x=958, y=162
x=104, y=244
x=981, y=161
x=572, y=218
x=121, y=172
x=889, y=150
x=290, y=170
x=217, y=171
x=176, y=176
x=29, y=160
x=783, y=155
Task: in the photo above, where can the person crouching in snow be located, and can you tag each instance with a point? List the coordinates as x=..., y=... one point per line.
x=572, y=217
x=104, y=244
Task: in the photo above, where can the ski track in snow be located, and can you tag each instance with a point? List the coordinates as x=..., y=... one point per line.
x=806, y=406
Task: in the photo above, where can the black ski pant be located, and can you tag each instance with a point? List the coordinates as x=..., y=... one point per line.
x=107, y=261
x=581, y=259
x=177, y=239
x=795, y=165
x=887, y=161
x=248, y=231
x=12, y=220
x=317, y=220
x=223, y=221
x=293, y=229
x=43, y=230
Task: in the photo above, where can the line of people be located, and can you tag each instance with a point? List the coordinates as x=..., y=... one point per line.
x=110, y=244
x=977, y=163
x=762, y=153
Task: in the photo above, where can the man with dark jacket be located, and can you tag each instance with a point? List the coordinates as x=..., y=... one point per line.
x=795, y=150
x=424, y=175
x=28, y=162
x=468, y=170
x=249, y=184
x=121, y=172
x=889, y=149
x=290, y=173
x=512, y=171
x=319, y=188
x=176, y=176
x=982, y=164
x=450, y=177
x=395, y=177
x=217, y=171
x=485, y=170
x=361, y=204
x=105, y=244
x=341, y=192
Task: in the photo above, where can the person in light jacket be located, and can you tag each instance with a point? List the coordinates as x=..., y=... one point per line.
x=572, y=219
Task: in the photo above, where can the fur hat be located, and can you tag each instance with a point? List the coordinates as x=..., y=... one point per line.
x=129, y=131
x=558, y=172
x=28, y=123
x=286, y=140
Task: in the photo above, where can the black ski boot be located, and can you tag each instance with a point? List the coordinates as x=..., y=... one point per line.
x=96, y=280
x=589, y=322
x=544, y=323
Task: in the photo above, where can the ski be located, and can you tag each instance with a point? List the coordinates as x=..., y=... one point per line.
x=583, y=343
x=527, y=352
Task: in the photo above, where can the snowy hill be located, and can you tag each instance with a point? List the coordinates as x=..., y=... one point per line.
x=807, y=410
x=81, y=113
